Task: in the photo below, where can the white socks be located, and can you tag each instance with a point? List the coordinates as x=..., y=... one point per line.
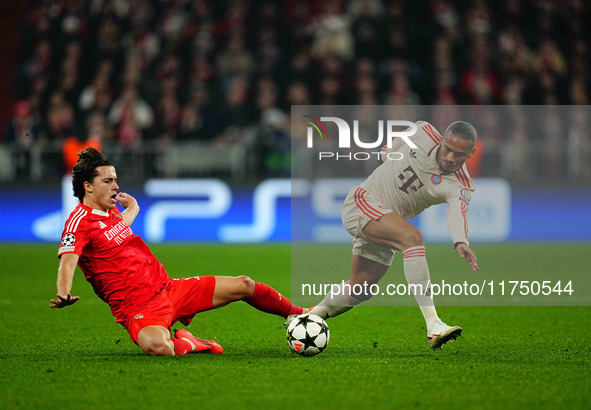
x=416, y=271
x=337, y=301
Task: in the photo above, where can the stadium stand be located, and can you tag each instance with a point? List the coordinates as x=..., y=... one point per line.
x=200, y=88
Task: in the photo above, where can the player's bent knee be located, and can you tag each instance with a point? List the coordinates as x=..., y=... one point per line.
x=156, y=348
x=244, y=287
x=413, y=237
x=155, y=341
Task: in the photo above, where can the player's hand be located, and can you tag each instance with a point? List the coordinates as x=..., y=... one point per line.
x=466, y=253
x=63, y=301
x=125, y=200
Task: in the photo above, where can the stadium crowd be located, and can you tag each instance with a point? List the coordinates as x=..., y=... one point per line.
x=137, y=78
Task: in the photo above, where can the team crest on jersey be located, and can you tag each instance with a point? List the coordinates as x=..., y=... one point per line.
x=436, y=179
x=139, y=316
x=69, y=239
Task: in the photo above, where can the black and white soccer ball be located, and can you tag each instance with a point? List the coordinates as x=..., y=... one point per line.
x=308, y=334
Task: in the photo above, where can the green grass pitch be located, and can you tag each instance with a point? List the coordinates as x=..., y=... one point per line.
x=510, y=357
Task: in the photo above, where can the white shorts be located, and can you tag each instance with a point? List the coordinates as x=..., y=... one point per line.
x=358, y=210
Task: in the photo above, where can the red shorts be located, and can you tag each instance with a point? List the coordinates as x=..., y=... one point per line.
x=178, y=301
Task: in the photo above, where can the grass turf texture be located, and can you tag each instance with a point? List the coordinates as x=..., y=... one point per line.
x=377, y=357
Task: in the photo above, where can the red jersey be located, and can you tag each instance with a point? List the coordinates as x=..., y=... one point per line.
x=117, y=263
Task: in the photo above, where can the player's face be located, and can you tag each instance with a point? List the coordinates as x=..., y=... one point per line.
x=452, y=154
x=101, y=192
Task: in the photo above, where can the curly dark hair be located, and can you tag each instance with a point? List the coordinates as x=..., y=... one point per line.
x=85, y=169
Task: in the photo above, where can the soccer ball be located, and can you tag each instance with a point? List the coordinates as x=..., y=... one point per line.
x=307, y=334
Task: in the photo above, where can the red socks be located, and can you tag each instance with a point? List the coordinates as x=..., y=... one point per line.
x=264, y=298
x=181, y=346
x=268, y=300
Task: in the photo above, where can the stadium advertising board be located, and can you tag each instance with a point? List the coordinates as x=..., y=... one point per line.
x=212, y=211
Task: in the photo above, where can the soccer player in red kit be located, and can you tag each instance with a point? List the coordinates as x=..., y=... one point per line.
x=127, y=276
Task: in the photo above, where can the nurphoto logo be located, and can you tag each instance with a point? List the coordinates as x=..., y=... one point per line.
x=388, y=130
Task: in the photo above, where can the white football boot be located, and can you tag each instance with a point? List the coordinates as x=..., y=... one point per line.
x=292, y=317
x=440, y=334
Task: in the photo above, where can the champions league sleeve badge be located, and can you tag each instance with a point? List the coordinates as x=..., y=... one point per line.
x=68, y=240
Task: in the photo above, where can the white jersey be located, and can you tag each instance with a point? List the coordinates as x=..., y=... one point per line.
x=415, y=182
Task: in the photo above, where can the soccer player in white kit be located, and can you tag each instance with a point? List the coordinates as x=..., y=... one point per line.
x=375, y=215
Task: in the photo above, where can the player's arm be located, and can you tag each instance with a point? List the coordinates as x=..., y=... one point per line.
x=65, y=275
x=131, y=206
x=457, y=225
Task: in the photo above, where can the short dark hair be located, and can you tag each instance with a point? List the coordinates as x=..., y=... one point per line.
x=85, y=169
x=464, y=130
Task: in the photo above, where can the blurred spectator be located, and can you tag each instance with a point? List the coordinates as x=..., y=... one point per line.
x=60, y=118
x=479, y=83
x=330, y=90
x=266, y=94
x=38, y=65
x=234, y=59
x=215, y=71
x=400, y=91
x=298, y=94
x=131, y=115
x=172, y=26
x=168, y=113
x=235, y=111
x=20, y=136
x=96, y=96
x=444, y=94
x=118, y=8
x=333, y=38
x=515, y=153
x=478, y=18
x=300, y=66
x=144, y=42
x=108, y=42
x=579, y=146
x=367, y=28
x=448, y=18
x=190, y=123
x=269, y=55
x=512, y=93
x=549, y=58
x=553, y=138
x=578, y=92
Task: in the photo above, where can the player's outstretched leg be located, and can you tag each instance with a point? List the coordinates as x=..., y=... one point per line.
x=416, y=271
x=263, y=297
x=268, y=300
x=342, y=297
x=336, y=302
